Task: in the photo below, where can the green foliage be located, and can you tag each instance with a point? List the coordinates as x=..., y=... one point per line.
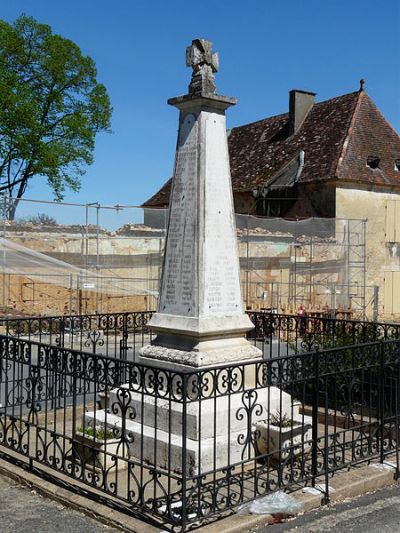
x=337, y=333
x=99, y=433
x=349, y=366
x=51, y=108
x=282, y=420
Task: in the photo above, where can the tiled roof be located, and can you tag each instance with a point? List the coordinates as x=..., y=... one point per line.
x=370, y=135
x=258, y=151
x=161, y=198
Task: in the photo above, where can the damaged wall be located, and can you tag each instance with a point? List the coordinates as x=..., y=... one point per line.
x=382, y=255
x=133, y=255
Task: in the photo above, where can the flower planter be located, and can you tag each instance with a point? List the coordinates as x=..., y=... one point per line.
x=99, y=453
x=280, y=442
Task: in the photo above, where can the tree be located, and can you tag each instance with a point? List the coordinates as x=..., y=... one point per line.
x=51, y=108
x=41, y=219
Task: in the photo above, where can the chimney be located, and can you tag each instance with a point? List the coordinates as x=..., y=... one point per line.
x=300, y=104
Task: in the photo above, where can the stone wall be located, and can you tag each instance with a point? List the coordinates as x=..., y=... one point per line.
x=129, y=257
x=270, y=264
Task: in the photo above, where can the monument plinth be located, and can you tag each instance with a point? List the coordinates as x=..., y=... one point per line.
x=200, y=319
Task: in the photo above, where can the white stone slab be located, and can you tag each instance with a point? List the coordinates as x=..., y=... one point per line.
x=164, y=449
x=206, y=417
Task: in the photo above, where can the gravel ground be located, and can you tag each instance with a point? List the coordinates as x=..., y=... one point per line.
x=25, y=511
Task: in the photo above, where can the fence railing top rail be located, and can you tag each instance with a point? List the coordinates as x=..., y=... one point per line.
x=256, y=312
x=190, y=372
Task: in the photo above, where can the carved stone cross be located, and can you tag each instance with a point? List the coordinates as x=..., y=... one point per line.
x=204, y=63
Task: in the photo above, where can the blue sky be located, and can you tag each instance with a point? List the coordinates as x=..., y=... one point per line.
x=266, y=48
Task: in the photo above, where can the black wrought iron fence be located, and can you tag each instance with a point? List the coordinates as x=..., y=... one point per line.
x=181, y=449
x=280, y=335
x=114, y=334
x=122, y=335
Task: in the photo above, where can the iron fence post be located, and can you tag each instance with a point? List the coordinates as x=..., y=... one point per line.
x=326, y=497
x=184, y=454
x=33, y=404
x=74, y=407
x=381, y=402
x=396, y=419
x=62, y=332
x=53, y=377
x=124, y=340
x=314, y=450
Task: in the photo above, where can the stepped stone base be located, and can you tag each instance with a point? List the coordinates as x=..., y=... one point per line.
x=216, y=429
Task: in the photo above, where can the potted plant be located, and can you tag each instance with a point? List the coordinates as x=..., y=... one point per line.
x=282, y=436
x=99, y=447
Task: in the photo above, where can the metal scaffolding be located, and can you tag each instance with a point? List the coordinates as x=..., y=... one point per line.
x=106, y=258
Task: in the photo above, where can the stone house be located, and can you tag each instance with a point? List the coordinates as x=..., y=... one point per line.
x=338, y=158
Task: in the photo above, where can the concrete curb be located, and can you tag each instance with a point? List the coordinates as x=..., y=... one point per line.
x=67, y=498
x=346, y=484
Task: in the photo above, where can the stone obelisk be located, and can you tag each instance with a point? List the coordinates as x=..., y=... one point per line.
x=200, y=319
x=200, y=322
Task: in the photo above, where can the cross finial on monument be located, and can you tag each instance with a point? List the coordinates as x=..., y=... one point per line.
x=204, y=64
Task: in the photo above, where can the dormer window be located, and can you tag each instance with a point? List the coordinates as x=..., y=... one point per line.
x=373, y=161
x=397, y=165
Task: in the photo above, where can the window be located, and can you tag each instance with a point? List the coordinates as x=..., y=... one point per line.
x=373, y=161
x=397, y=164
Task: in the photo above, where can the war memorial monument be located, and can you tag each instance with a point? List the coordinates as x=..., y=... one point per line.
x=200, y=322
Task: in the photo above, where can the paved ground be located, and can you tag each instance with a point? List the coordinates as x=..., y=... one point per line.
x=373, y=513
x=23, y=511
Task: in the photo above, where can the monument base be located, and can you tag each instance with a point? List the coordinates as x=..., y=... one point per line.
x=206, y=354
x=183, y=343
x=214, y=432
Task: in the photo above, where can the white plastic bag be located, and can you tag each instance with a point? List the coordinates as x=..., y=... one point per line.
x=275, y=503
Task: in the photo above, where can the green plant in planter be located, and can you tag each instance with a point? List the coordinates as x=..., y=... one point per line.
x=99, y=448
x=276, y=419
x=98, y=433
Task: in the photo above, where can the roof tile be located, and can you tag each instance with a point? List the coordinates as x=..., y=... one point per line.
x=258, y=151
